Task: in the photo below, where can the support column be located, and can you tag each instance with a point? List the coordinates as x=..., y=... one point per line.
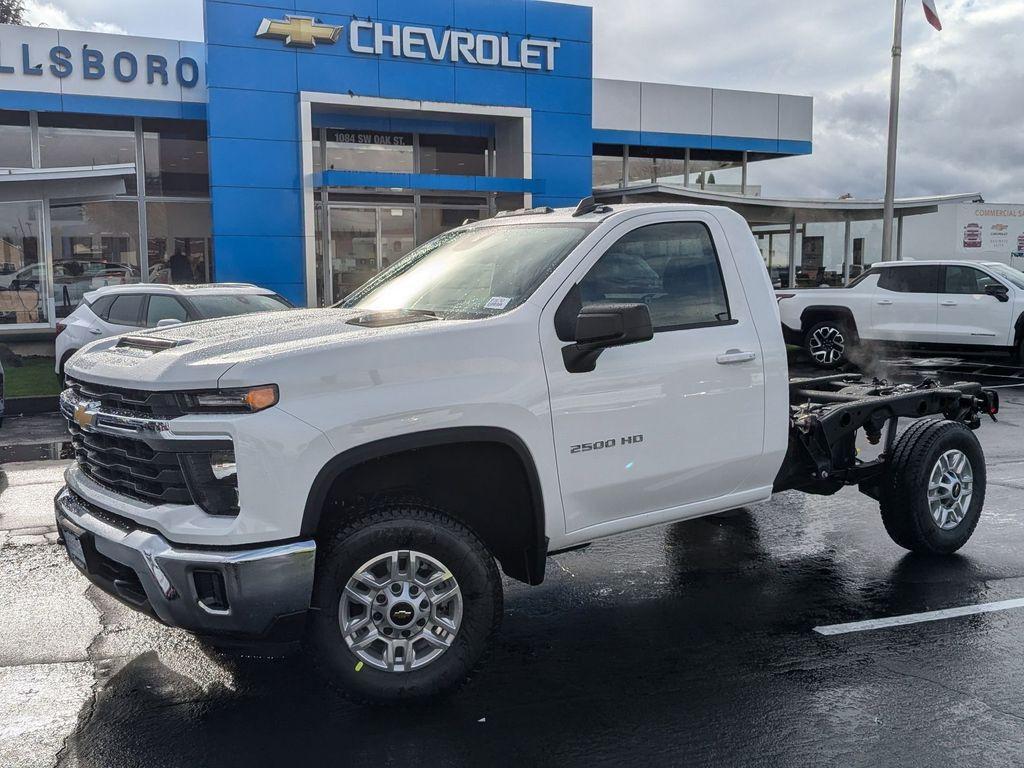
x=899, y=238
x=686, y=168
x=743, y=182
x=792, y=253
x=847, y=252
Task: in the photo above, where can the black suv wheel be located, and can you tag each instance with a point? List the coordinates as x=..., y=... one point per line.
x=828, y=343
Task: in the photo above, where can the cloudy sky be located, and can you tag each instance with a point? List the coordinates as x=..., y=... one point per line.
x=962, y=119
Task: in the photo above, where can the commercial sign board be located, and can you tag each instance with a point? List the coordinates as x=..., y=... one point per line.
x=375, y=38
x=991, y=230
x=41, y=60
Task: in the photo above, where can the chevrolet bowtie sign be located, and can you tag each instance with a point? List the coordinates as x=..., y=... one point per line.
x=409, y=42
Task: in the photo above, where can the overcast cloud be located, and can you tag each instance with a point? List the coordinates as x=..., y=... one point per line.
x=963, y=96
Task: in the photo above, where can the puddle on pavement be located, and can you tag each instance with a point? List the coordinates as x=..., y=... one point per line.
x=37, y=452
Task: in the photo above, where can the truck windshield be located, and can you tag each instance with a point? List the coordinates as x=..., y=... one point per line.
x=471, y=273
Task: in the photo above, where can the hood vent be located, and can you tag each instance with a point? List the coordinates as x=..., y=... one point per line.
x=147, y=343
x=392, y=318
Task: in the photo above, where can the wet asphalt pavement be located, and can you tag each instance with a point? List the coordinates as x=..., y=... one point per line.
x=690, y=645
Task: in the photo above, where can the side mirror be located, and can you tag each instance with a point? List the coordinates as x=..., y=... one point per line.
x=998, y=290
x=168, y=322
x=603, y=326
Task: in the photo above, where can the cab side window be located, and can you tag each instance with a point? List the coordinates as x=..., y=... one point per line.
x=966, y=280
x=164, y=308
x=101, y=306
x=917, y=279
x=672, y=268
x=126, y=310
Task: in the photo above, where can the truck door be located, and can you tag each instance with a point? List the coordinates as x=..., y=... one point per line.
x=968, y=315
x=906, y=304
x=669, y=422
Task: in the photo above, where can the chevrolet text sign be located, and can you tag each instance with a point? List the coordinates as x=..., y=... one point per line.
x=409, y=42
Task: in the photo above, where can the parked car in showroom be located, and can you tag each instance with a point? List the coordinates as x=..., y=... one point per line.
x=119, y=309
x=959, y=307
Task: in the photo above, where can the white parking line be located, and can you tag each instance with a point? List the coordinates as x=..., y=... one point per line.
x=918, y=618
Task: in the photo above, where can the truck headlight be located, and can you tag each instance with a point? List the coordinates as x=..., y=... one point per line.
x=245, y=400
x=212, y=479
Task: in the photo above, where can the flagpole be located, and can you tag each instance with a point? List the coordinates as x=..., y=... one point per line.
x=894, y=118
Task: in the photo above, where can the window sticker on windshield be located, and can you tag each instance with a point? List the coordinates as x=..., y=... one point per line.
x=497, y=302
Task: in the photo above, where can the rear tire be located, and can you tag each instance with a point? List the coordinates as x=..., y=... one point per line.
x=379, y=623
x=934, y=489
x=828, y=344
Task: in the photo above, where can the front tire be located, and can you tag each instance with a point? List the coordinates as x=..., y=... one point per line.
x=828, y=344
x=934, y=490
x=407, y=600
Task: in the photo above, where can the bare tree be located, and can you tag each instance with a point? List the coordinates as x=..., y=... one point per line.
x=12, y=11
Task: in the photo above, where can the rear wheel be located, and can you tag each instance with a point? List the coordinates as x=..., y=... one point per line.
x=407, y=600
x=934, y=491
x=827, y=343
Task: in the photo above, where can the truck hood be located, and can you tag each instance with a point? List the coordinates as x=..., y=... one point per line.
x=197, y=355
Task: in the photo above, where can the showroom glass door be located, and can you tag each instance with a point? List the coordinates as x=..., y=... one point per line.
x=362, y=241
x=353, y=250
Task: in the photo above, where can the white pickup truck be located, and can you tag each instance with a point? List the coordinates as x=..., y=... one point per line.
x=959, y=306
x=355, y=476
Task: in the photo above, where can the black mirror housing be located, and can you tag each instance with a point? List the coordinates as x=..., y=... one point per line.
x=998, y=290
x=603, y=326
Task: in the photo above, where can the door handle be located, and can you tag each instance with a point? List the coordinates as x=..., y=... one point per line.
x=734, y=356
x=885, y=303
x=949, y=303
x=95, y=331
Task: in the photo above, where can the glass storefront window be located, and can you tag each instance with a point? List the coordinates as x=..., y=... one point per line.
x=641, y=170
x=670, y=171
x=716, y=175
x=179, y=242
x=22, y=268
x=176, y=161
x=15, y=140
x=94, y=245
x=437, y=221
x=453, y=155
x=353, y=248
x=67, y=141
x=607, y=171
x=369, y=151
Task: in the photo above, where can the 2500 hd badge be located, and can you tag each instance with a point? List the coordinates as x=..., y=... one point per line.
x=602, y=444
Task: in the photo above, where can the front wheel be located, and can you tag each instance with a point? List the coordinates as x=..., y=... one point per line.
x=934, y=491
x=828, y=344
x=407, y=600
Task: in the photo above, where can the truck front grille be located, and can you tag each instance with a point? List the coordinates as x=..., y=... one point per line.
x=131, y=467
x=158, y=405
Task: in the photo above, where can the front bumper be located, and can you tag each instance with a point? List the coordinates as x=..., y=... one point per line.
x=252, y=593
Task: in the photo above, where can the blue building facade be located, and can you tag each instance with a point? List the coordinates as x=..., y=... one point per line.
x=306, y=144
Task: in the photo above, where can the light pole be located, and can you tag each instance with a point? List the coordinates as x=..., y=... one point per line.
x=894, y=119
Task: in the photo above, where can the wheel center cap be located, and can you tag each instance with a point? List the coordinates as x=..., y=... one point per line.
x=401, y=614
x=957, y=490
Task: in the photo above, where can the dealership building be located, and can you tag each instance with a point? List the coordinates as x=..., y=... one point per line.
x=307, y=144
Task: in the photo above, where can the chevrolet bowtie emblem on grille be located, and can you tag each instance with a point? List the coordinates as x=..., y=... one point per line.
x=84, y=416
x=299, y=31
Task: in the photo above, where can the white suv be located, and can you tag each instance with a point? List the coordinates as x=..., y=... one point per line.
x=121, y=309
x=966, y=307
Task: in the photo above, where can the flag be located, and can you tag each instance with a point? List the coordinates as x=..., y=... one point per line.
x=931, y=14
